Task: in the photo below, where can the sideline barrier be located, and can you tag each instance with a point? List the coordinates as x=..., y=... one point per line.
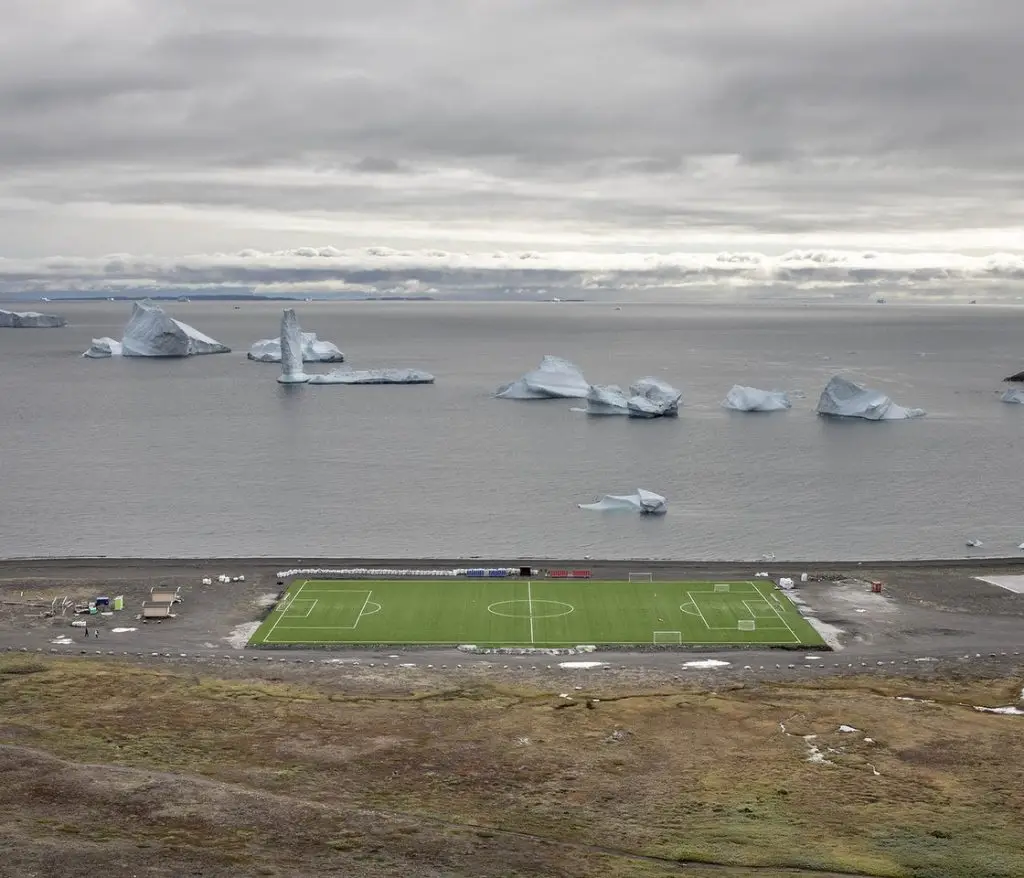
x=558, y=574
x=580, y=574
x=397, y=572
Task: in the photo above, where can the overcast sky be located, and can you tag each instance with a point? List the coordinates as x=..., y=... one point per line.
x=458, y=133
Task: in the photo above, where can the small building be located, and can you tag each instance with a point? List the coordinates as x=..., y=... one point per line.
x=163, y=594
x=156, y=610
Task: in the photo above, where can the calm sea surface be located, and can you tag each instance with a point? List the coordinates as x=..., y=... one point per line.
x=210, y=456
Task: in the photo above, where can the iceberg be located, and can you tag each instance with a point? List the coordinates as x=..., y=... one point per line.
x=554, y=378
x=268, y=350
x=30, y=320
x=1014, y=394
x=750, y=399
x=152, y=333
x=291, y=350
x=606, y=399
x=373, y=376
x=1018, y=377
x=844, y=399
x=644, y=502
x=653, y=398
x=103, y=347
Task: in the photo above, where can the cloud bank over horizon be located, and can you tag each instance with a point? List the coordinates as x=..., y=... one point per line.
x=339, y=147
x=327, y=272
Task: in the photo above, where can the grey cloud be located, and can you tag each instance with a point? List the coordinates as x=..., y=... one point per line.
x=838, y=115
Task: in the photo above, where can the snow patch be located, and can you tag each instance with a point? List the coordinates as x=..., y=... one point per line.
x=1008, y=711
x=266, y=600
x=1010, y=583
x=583, y=665
x=122, y=630
x=63, y=640
x=703, y=664
x=847, y=729
x=240, y=634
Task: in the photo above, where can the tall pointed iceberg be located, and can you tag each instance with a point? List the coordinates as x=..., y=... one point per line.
x=291, y=350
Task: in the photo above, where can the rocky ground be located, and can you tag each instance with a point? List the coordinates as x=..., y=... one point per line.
x=169, y=750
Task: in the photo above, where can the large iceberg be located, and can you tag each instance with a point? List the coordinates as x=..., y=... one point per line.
x=842, y=398
x=30, y=320
x=103, y=347
x=653, y=398
x=1013, y=394
x=152, y=333
x=644, y=502
x=554, y=378
x=268, y=350
x=750, y=399
x=291, y=350
x=373, y=376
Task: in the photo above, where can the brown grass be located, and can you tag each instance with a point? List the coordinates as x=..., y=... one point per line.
x=170, y=770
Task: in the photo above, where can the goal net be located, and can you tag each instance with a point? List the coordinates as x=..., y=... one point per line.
x=641, y=577
x=668, y=636
x=721, y=586
x=747, y=624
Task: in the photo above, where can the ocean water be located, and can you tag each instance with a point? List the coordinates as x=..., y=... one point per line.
x=210, y=456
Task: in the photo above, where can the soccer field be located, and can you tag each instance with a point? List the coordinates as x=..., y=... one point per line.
x=542, y=613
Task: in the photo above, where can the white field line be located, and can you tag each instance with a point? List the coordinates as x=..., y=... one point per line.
x=777, y=613
x=699, y=613
x=280, y=615
x=362, y=609
x=529, y=603
x=288, y=610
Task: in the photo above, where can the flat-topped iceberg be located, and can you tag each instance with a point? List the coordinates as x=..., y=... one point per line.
x=291, y=350
x=606, y=399
x=653, y=398
x=750, y=399
x=103, y=347
x=314, y=350
x=152, y=333
x=373, y=376
x=30, y=320
x=554, y=378
x=644, y=502
x=844, y=399
x=1013, y=394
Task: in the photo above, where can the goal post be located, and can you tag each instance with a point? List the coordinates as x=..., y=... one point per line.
x=721, y=586
x=747, y=625
x=668, y=637
x=641, y=577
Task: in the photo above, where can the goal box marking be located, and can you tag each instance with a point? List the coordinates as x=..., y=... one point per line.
x=747, y=625
x=668, y=637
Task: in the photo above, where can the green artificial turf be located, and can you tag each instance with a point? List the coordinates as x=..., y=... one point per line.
x=541, y=613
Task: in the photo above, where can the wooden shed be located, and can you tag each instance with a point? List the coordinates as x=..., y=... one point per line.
x=156, y=610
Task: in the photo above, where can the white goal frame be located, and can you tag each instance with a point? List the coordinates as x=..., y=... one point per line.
x=721, y=587
x=746, y=624
x=641, y=577
x=677, y=634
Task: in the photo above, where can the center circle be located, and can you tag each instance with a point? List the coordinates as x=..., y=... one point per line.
x=531, y=609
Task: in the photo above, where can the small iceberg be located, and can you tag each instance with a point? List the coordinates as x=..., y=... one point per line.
x=1014, y=395
x=30, y=320
x=750, y=399
x=291, y=350
x=314, y=350
x=653, y=398
x=843, y=399
x=102, y=348
x=606, y=399
x=373, y=376
x=644, y=502
x=1018, y=377
x=554, y=378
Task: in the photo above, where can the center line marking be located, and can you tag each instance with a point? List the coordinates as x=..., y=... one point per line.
x=529, y=603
